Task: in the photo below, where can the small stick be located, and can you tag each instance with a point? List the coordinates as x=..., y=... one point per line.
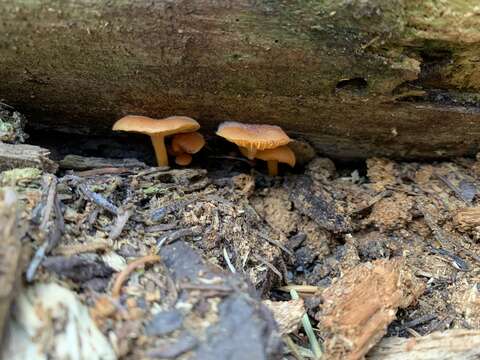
x=276, y=243
x=125, y=273
x=52, y=189
x=98, y=199
x=269, y=265
x=309, y=289
x=103, y=171
x=54, y=235
x=177, y=234
x=75, y=249
x=120, y=222
x=228, y=261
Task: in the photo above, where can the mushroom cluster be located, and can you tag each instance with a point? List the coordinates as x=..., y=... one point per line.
x=264, y=142
x=158, y=129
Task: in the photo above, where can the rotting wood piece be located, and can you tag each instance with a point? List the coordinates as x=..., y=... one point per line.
x=10, y=250
x=468, y=218
x=76, y=162
x=455, y=344
x=358, y=307
x=20, y=156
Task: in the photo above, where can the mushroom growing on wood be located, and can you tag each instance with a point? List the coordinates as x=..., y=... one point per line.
x=157, y=129
x=282, y=154
x=253, y=137
x=185, y=145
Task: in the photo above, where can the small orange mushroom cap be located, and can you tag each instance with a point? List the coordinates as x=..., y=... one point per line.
x=145, y=125
x=253, y=137
x=282, y=154
x=183, y=159
x=190, y=143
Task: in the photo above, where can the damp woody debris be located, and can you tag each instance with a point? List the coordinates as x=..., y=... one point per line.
x=220, y=260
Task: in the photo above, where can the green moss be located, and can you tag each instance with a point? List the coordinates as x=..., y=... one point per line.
x=21, y=176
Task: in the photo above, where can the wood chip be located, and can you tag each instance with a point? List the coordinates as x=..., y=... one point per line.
x=76, y=162
x=457, y=344
x=287, y=314
x=22, y=156
x=468, y=218
x=358, y=307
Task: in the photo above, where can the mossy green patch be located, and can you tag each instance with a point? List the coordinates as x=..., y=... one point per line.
x=20, y=176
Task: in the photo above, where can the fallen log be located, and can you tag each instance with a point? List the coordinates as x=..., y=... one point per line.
x=355, y=78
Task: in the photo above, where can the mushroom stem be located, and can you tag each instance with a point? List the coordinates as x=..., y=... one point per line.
x=158, y=142
x=272, y=167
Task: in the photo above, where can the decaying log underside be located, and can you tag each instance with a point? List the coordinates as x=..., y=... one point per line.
x=356, y=78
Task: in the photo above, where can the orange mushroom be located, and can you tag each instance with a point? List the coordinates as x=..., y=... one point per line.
x=253, y=137
x=183, y=159
x=157, y=129
x=183, y=145
x=282, y=154
x=189, y=143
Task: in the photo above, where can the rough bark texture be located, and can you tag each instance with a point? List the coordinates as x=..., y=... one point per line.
x=356, y=77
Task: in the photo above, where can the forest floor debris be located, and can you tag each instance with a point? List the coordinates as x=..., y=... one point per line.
x=396, y=242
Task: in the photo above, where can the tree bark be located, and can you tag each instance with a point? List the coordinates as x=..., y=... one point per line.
x=356, y=78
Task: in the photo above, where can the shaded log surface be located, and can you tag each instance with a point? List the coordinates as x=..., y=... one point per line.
x=356, y=78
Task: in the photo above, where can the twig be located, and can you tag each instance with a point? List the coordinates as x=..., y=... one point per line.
x=453, y=188
x=104, y=171
x=47, y=210
x=82, y=248
x=309, y=289
x=54, y=235
x=276, y=243
x=206, y=287
x=160, y=228
x=177, y=234
x=158, y=214
x=98, y=199
x=312, y=338
x=125, y=273
x=120, y=222
x=269, y=265
x=227, y=260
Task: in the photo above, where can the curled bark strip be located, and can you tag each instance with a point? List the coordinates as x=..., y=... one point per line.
x=125, y=273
